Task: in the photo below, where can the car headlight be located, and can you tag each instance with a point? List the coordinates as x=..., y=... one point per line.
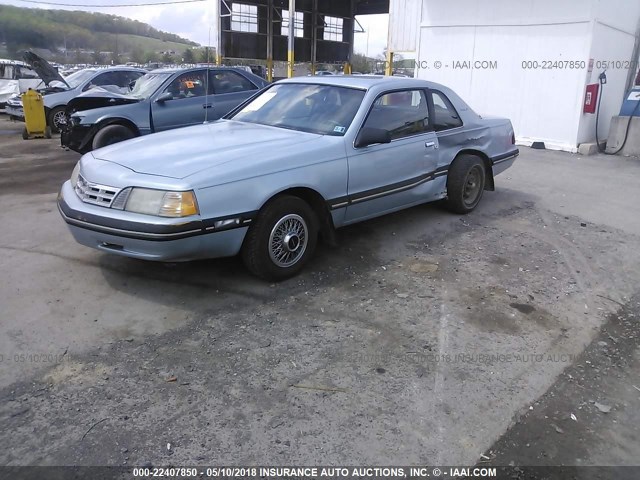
x=161, y=203
x=75, y=174
x=75, y=119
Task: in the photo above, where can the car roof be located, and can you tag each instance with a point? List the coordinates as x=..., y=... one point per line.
x=363, y=82
x=188, y=69
x=6, y=61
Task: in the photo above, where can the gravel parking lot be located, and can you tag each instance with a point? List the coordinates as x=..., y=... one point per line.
x=421, y=339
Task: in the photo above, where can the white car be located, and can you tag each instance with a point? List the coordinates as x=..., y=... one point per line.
x=15, y=78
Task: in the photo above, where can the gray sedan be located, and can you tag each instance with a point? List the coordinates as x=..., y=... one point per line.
x=59, y=94
x=161, y=100
x=289, y=166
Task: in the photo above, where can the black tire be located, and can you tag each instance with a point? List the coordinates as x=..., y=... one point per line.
x=282, y=214
x=465, y=184
x=111, y=134
x=53, y=118
x=25, y=134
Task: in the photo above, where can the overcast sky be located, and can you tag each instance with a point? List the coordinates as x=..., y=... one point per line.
x=193, y=20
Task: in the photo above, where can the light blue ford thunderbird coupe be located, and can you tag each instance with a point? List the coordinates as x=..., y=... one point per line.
x=287, y=167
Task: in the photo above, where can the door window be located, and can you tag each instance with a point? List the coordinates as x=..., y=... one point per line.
x=403, y=113
x=444, y=113
x=25, y=72
x=188, y=85
x=226, y=81
x=6, y=72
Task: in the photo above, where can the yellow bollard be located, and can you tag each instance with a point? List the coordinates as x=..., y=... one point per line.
x=34, y=118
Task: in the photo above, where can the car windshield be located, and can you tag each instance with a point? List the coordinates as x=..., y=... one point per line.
x=75, y=79
x=322, y=109
x=147, y=84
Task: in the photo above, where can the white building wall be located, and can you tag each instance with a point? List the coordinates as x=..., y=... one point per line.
x=403, y=32
x=615, y=26
x=543, y=104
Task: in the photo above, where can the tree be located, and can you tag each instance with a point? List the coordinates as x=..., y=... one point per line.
x=188, y=56
x=206, y=55
x=360, y=63
x=167, y=58
x=96, y=56
x=115, y=58
x=137, y=55
x=151, y=57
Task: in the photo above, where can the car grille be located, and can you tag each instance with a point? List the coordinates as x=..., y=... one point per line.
x=94, y=193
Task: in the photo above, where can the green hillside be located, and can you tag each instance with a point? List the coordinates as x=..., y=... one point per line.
x=78, y=33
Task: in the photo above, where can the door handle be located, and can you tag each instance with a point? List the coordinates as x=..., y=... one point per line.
x=207, y=105
x=430, y=144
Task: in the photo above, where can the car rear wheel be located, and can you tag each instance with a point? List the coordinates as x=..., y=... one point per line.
x=465, y=184
x=111, y=134
x=56, y=119
x=282, y=240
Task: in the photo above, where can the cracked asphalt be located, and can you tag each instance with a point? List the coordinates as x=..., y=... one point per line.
x=423, y=338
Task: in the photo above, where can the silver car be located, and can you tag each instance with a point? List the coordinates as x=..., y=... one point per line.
x=304, y=157
x=60, y=92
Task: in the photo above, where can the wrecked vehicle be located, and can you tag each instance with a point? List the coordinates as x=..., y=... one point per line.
x=304, y=157
x=160, y=100
x=16, y=77
x=60, y=90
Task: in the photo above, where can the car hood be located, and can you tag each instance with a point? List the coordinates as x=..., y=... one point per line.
x=43, y=68
x=99, y=97
x=186, y=151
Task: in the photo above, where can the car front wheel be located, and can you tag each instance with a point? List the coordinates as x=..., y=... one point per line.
x=465, y=184
x=282, y=240
x=111, y=134
x=56, y=119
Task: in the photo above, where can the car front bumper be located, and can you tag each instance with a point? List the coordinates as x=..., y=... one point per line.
x=14, y=111
x=172, y=240
x=77, y=138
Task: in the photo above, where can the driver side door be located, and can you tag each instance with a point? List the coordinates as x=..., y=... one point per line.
x=188, y=103
x=388, y=177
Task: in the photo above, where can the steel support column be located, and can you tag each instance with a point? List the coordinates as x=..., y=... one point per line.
x=314, y=37
x=292, y=37
x=270, y=41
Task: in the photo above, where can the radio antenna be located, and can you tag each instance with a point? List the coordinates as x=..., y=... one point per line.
x=206, y=82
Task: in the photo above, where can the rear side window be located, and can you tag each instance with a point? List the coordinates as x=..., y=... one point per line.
x=404, y=113
x=229, y=82
x=445, y=115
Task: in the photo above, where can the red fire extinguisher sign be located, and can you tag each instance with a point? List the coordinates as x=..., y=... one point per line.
x=591, y=98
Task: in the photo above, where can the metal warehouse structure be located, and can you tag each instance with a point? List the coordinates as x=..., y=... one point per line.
x=313, y=31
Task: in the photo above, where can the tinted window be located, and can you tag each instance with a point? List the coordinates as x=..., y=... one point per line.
x=445, y=115
x=402, y=113
x=187, y=85
x=229, y=82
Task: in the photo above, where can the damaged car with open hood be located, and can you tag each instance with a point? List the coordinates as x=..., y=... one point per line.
x=161, y=100
x=59, y=90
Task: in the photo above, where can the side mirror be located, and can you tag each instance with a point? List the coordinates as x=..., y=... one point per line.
x=166, y=96
x=371, y=136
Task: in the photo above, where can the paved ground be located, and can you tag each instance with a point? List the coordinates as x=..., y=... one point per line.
x=423, y=338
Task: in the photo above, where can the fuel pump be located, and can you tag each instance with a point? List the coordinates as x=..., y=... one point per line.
x=630, y=108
